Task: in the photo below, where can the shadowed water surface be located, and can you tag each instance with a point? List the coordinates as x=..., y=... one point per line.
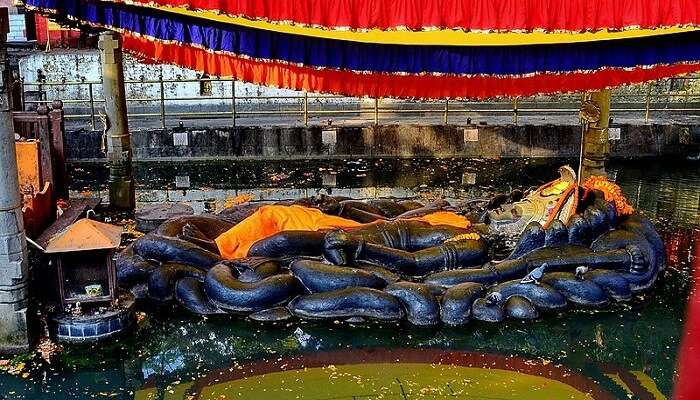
x=625, y=352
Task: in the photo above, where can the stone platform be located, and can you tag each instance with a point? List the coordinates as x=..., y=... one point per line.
x=468, y=141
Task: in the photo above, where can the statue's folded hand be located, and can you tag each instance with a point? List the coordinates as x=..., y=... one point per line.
x=341, y=248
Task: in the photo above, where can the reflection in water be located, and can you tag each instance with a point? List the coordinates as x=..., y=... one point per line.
x=394, y=374
x=623, y=352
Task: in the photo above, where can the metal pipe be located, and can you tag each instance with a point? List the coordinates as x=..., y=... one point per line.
x=376, y=111
x=233, y=102
x=23, y=94
x=648, y=103
x=447, y=111
x=306, y=109
x=35, y=244
x=92, y=108
x=162, y=101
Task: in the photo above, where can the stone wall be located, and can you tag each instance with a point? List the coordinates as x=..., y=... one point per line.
x=490, y=141
x=84, y=65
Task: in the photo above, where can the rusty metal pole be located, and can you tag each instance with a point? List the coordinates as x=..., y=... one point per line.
x=233, y=101
x=376, y=111
x=162, y=99
x=446, y=116
x=306, y=108
x=647, y=102
x=93, y=121
x=14, y=267
x=121, y=181
x=596, y=147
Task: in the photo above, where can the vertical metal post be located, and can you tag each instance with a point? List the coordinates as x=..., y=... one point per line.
x=306, y=108
x=648, y=103
x=41, y=91
x=447, y=112
x=233, y=101
x=92, y=106
x=376, y=111
x=14, y=267
x=119, y=154
x=23, y=94
x=515, y=110
x=162, y=100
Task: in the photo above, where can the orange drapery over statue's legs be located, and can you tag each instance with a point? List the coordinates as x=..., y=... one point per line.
x=273, y=219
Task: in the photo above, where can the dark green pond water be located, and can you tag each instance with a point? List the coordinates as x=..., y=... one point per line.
x=626, y=352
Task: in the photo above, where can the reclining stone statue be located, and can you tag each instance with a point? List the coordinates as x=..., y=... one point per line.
x=388, y=260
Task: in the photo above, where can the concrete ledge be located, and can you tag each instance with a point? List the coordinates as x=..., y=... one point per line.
x=14, y=336
x=488, y=141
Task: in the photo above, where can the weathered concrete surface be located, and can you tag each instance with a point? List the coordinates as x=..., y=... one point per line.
x=74, y=65
x=151, y=216
x=119, y=155
x=14, y=267
x=484, y=141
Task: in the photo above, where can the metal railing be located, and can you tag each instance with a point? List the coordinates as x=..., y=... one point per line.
x=680, y=95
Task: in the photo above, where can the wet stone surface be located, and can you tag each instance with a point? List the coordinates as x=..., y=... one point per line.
x=150, y=216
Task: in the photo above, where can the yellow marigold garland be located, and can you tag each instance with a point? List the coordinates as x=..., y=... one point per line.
x=612, y=193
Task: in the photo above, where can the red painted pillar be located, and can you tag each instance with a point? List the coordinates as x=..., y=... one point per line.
x=688, y=384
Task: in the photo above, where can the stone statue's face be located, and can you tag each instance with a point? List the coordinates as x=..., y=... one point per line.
x=327, y=204
x=555, y=197
x=512, y=212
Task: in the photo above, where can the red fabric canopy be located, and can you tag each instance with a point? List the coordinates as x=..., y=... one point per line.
x=485, y=15
x=272, y=55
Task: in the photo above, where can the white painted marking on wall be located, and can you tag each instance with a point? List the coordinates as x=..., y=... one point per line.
x=329, y=137
x=182, y=182
x=614, y=133
x=180, y=139
x=330, y=180
x=471, y=135
x=469, y=178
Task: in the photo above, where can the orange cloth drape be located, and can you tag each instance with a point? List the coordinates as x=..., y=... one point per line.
x=270, y=220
